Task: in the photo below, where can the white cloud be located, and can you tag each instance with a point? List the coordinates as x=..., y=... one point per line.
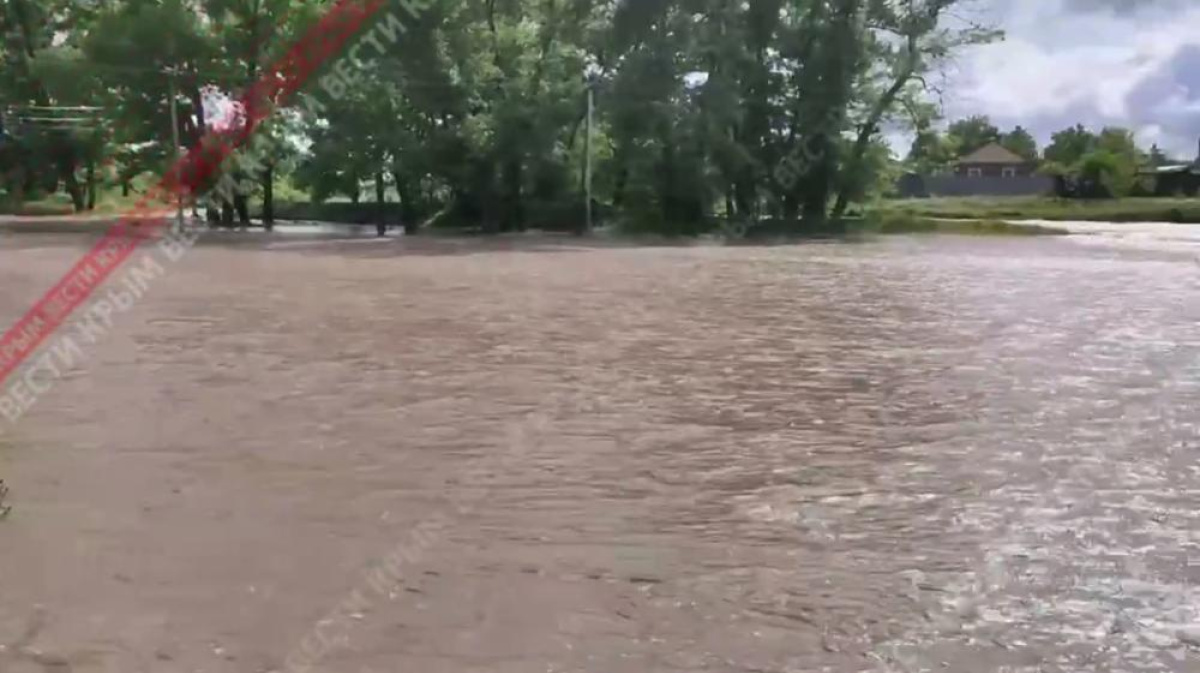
x=1094, y=62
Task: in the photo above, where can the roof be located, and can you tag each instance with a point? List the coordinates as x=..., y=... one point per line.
x=993, y=153
x=1172, y=169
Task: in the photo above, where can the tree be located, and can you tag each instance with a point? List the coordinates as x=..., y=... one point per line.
x=1022, y=143
x=827, y=91
x=756, y=108
x=1105, y=174
x=45, y=146
x=1119, y=141
x=874, y=175
x=931, y=152
x=1093, y=165
x=1068, y=147
x=130, y=55
x=247, y=33
x=973, y=133
x=1115, y=161
x=906, y=40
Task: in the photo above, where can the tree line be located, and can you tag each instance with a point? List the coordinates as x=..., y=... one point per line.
x=1105, y=162
x=705, y=108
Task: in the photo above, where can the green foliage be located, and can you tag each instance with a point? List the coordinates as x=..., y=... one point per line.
x=973, y=133
x=1053, y=209
x=1022, y=143
x=872, y=176
x=908, y=222
x=755, y=109
x=700, y=102
x=1053, y=168
x=932, y=152
x=1095, y=165
x=1111, y=172
x=1118, y=141
x=1068, y=147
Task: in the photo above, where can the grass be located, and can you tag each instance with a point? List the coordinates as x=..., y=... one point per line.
x=109, y=201
x=52, y=206
x=905, y=223
x=961, y=216
x=1044, y=208
x=59, y=205
x=878, y=223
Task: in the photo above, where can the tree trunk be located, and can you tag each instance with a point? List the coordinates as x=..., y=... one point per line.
x=408, y=206
x=831, y=87
x=241, y=203
x=619, y=188
x=486, y=193
x=29, y=186
x=513, y=218
x=201, y=121
x=18, y=182
x=91, y=184
x=666, y=187
x=814, y=203
x=268, y=184
x=481, y=196
x=791, y=207
x=744, y=195
x=74, y=189
x=863, y=142
x=193, y=181
x=380, y=204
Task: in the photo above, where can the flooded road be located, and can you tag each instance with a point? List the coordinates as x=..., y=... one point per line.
x=910, y=454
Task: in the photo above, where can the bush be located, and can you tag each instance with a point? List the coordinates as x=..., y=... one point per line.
x=1026, y=208
x=901, y=222
x=558, y=215
x=1103, y=174
x=643, y=222
x=340, y=212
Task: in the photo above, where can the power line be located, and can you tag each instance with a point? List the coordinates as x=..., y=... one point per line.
x=58, y=107
x=56, y=120
x=159, y=70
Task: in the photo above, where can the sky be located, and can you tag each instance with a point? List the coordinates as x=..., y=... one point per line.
x=1132, y=63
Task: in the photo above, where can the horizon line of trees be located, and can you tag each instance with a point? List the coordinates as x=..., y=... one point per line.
x=1107, y=161
x=478, y=114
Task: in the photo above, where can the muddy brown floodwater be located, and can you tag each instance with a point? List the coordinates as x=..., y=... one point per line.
x=925, y=454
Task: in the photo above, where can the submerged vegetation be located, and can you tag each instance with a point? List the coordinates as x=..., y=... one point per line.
x=4, y=509
x=1052, y=209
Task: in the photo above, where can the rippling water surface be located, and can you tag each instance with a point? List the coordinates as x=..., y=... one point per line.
x=945, y=453
x=926, y=454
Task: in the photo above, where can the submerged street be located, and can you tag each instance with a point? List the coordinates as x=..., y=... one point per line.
x=907, y=454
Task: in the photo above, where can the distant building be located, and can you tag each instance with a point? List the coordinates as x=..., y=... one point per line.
x=994, y=161
x=1180, y=179
x=991, y=170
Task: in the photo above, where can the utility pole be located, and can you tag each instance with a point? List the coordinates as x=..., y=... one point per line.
x=587, y=150
x=171, y=72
